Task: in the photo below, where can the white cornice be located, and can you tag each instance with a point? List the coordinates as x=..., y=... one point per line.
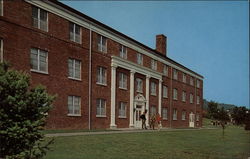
x=62, y=12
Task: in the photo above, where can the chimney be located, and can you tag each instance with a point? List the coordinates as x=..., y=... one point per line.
x=161, y=44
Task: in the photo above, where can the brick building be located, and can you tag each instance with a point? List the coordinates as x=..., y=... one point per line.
x=102, y=77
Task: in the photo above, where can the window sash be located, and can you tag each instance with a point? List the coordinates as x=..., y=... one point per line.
x=183, y=115
x=74, y=67
x=197, y=117
x=198, y=84
x=75, y=32
x=102, y=44
x=191, y=98
x=175, y=114
x=165, y=70
x=123, y=52
x=122, y=80
x=153, y=88
x=1, y=50
x=139, y=59
x=175, y=96
x=101, y=107
x=122, y=109
x=183, y=96
x=153, y=64
x=164, y=113
x=39, y=18
x=101, y=75
x=152, y=110
x=184, y=78
x=175, y=74
x=39, y=60
x=1, y=7
x=191, y=81
x=165, y=91
x=74, y=107
x=198, y=99
x=139, y=85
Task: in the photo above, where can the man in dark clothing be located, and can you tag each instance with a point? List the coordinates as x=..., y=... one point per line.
x=143, y=118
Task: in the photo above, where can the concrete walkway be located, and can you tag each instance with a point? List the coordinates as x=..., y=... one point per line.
x=121, y=131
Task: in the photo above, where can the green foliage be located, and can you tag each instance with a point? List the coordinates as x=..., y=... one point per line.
x=22, y=115
x=215, y=113
x=240, y=115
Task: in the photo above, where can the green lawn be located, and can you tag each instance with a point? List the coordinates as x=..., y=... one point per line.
x=194, y=144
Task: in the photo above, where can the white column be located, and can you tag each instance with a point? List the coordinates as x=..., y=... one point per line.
x=113, y=92
x=147, y=99
x=131, y=103
x=160, y=94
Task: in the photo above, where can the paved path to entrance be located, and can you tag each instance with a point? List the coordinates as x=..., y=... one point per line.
x=121, y=131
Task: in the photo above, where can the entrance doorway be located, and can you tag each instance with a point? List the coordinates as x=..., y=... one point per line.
x=191, y=120
x=138, y=112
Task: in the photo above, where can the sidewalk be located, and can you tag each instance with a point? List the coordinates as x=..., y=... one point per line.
x=122, y=130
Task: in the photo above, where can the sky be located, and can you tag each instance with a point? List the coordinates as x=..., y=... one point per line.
x=210, y=38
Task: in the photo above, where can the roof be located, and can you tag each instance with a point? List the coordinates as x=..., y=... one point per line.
x=121, y=34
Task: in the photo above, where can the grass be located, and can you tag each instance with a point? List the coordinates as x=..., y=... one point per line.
x=73, y=131
x=195, y=144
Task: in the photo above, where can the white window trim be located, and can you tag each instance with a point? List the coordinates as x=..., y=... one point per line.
x=183, y=112
x=119, y=116
x=102, y=116
x=165, y=94
x=139, y=59
x=38, y=63
x=74, y=71
x=38, y=19
x=153, y=64
x=1, y=13
x=74, y=107
x=74, y=33
x=140, y=91
x=123, y=75
x=197, y=117
x=175, y=117
x=175, y=94
x=101, y=45
x=184, y=95
x=122, y=53
x=184, y=78
x=153, y=89
x=1, y=50
x=164, y=118
x=191, y=98
x=105, y=76
x=165, y=70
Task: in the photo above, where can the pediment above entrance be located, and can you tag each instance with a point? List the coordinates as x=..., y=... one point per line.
x=140, y=98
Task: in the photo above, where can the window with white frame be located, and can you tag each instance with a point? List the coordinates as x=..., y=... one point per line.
x=1, y=50
x=174, y=114
x=74, y=107
x=165, y=91
x=74, y=67
x=184, y=78
x=123, y=52
x=102, y=43
x=183, y=96
x=39, y=60
x=197, y=117
x=165, y=70
x=175, y=96
x=139, y=85
x=198, y=83
x=164, y=113
x=191, y=81
x=191, y=98
x=122, y=80
x=101, y=76
x=1, y=7
x=75, y=32
x=101, y=107
x=183, y=115
x=153, y=88
x=139, y=59
x=153, y=64
x=175, y=74
x=122, y=110
x=39, y=18
x=152, y=110
x=198, y=99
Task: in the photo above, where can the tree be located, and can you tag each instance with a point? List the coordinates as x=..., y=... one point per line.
x=213, y=110
x=239, y=115
x=22, y=115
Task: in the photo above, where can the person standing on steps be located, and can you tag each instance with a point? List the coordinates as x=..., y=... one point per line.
x=143, y=118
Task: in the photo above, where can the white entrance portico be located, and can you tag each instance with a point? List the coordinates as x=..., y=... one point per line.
x=139, y=108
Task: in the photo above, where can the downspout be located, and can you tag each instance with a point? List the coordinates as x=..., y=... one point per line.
x=90, y=73
x=171, y=97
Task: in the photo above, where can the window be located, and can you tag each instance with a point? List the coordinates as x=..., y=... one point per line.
x=175, y=74
x=191, y=81
x=123, y=52
x=122, y=110
x=165, y=70
x=152, y=110
x=183, y=115
x=101, y=108
x=139, y=59
x=75, y=32
x=198, y=83
x=197, y=117
x=39, y=18
x=102, y=44
x=139, y=85
x=74, y=103
x=183, y=96
x=74, y=67
x=101, y=76
x=122, y=80
x=153, y=88
x=164, y=113
x=191, y=98
x=175, y=94
x=1, y=50
x=165, y=91
x=175, y=114
x=153, y=64
x=198, y=99
x=1, y=7
x=184, y=78
x=39, y=60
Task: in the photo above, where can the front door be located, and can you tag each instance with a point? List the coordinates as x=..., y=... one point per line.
x=138, y=112
x=191, y=120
